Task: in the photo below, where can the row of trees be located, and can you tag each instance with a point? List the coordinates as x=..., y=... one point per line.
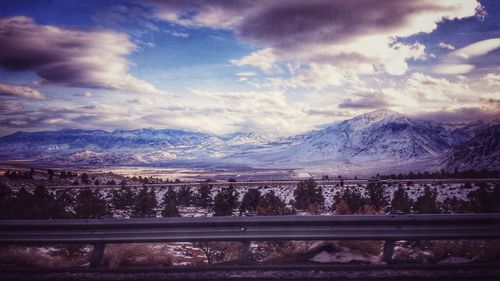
x=90, y=203
x=485, y=199
x=75, y=178
x=445, y=174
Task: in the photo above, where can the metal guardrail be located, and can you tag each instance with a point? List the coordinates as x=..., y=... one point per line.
x=245, y=229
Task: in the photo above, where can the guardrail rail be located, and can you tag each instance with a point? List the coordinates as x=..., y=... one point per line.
x=389, y=228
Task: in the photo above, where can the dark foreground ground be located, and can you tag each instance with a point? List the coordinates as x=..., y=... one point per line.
x=478, y=271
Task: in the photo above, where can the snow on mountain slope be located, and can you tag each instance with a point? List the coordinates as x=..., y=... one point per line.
x=459, y=133
x=381, y=134
x=251, y=138
x=480, y=152
x=375, y=140
x=141, y=146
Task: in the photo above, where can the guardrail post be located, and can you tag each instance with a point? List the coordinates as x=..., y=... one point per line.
x=97, y=254
x=245, y=252
x=388, y=251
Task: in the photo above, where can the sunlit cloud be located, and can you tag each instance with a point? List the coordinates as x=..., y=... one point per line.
x=444, y=45
x=20, y=91
x=456, y=62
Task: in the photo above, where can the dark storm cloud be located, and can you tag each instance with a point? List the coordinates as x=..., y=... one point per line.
x=288, y=23
x=16, y=116
x=69, y=57
x=324, y=21
x=465, y=114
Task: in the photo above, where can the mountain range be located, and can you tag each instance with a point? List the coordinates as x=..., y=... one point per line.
x=378, y=141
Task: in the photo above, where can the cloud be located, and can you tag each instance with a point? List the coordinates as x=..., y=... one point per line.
x=246, y=74
x=328, y=112
x=313, y=76
x=365, y=101
x=462, y=114
x=180, y=34
x=288, y=23
x=453, y=69
x=459, y=61
x=20, y=91
x=476, y=49
x=8, y=106
x=493, y=79
x=428, y=89
x=263, y=59
x=74, y=58
x=43, y=117
x=443, y=45
x=310, y=31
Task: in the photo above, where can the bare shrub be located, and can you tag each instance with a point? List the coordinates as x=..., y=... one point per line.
x=477, y=250
x=438, y=251
x=373, y=248
x=367, y=209
x=217, y=252
x=342, y=208
x=291, y=251
x=37, y=257
x=136, y=254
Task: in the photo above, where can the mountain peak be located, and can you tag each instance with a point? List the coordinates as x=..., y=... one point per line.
x=377, y=115
x=381, y=113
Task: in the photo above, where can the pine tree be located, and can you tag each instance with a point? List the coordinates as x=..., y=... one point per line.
x=225, y=201
x=377, y=195
x=307, y=193
x=145, y=204
x=23, y=203
x=85, y=178
x=170, y=204
x=204, y=199
x=6, y=202
x=90, y=204
x=454, y=205
x=51, y=174
x=427, y=204
x=485, y=199
x=353, y=199
x=250, y=201
x=401, y=201
x=122, y=198
x=185, y=196
x=153, y=202
x=272, y=205
x=62, y=205
x=43, y=203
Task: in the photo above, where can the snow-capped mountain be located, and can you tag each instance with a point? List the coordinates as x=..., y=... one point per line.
x=251, y=138
x=461, y=132
x=380, y=134
x=98, y=146
x=380, y=139
x=480, y=152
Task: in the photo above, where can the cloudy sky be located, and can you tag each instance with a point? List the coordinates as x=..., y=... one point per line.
x=225, y=66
